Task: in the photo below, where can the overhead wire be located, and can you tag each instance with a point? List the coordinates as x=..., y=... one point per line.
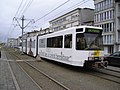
x=22, y=8
x=18, y=8
x=52, y=10
x=28, y=5
x=25, y=6
x=10, y=28
x=17, y=14
x=79, y=3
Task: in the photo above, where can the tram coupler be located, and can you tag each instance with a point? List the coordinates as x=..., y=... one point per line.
x=101, y=64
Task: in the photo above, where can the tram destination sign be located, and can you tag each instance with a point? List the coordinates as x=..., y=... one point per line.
x=93, y=30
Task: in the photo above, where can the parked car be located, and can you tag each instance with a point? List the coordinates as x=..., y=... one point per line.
x=113, y=59
x=0, y=52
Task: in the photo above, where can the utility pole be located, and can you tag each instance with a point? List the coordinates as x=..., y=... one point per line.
x=22, y=30
x=22, y=26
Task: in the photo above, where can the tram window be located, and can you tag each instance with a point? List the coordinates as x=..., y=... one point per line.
x=33, y=44
x=42, y=43
x=68, y=41
x=20, y=44
x=23, y=44
x=59, y=41
x=80, y=42
x=49, y=42
x=79, y=30
x=55, y=42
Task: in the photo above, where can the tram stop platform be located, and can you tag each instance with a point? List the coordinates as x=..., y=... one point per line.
x=6, y=79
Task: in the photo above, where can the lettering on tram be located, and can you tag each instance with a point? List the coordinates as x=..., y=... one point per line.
x=55, y=56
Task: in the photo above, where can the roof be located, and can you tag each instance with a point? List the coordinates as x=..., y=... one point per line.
x=71, y=11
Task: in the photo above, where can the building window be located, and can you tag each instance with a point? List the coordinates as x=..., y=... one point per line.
x=111, y=14
x=105, y=4
x=107, y=27
x=97, y=17
x=118, y=21
x=110, y=39
x=104, y=15
x=105, y=39
x=110, y=27
x=94, y=18
x=107, y=14
x=111, y=3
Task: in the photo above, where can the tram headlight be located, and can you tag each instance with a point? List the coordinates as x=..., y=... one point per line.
x=90, y=58
x=102, y=58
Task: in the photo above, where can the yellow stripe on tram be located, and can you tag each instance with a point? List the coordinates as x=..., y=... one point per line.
x=96, y=53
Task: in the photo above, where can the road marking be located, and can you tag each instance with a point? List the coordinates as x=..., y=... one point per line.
x=17, y=60
x=14, y=79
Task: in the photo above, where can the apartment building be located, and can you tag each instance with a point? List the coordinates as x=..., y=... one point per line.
x=117, y=25
x=107, y=16
x=76, y=17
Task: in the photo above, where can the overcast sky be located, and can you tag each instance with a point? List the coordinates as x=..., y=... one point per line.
x=33, y=9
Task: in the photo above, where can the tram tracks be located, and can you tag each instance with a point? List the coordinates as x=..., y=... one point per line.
x=106, y=74
x=103, y=75
x=41, y=79
x=110, y=72
x=113, y=70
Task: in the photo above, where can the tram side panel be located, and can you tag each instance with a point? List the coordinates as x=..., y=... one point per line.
x=82, y=58
x=56, y=54
x=67, y=55
x=64, y=53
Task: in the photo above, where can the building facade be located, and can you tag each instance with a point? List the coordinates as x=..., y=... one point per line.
x=107, y=17
x=12, y=42
x=117, y=25
x=77, y=17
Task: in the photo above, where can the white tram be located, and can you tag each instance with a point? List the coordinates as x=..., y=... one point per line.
x=76, y=46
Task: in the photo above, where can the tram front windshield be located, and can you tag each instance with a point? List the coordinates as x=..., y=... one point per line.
x=89, y=41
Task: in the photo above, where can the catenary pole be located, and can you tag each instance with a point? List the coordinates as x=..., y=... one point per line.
x=23, y=27
x=22, y=30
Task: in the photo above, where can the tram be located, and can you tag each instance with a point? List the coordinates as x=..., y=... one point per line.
x=76, y=46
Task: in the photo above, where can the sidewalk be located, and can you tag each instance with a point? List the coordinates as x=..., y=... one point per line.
x=6, y=80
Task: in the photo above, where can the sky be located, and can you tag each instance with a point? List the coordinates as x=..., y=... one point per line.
x=38, y=11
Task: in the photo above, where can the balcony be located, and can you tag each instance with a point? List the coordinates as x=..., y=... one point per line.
x=108, y=42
